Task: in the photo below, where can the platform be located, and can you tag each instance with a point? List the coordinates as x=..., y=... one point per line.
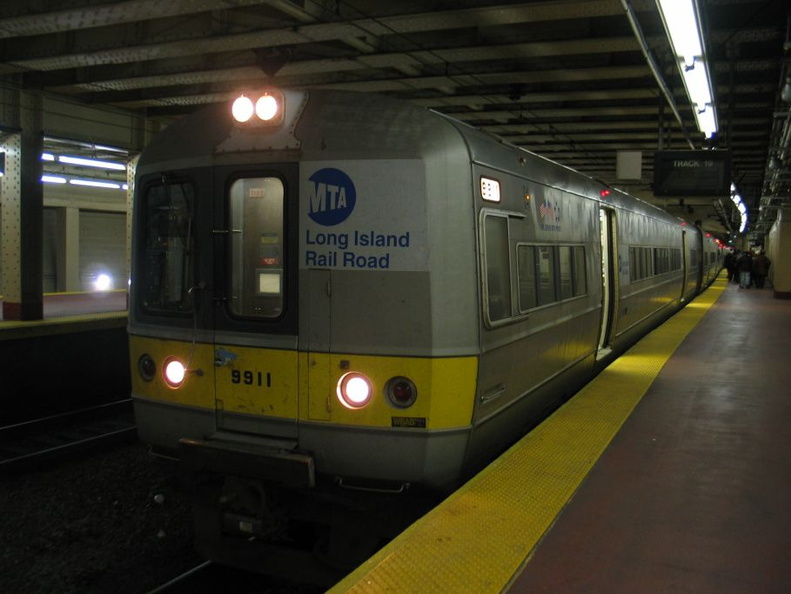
x=668, y=473
x=77, y=356
x=61, y=305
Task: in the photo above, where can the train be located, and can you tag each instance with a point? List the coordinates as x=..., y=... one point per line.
x=344, y=305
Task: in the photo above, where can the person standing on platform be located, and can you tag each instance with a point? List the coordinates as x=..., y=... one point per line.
x=760, y=269
x=745, y=266
x=730, y=265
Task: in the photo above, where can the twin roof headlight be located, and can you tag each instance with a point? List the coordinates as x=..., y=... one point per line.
x=267, y=109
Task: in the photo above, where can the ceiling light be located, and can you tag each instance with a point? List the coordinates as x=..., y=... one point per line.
x=682, y=23
x=785, y=94
x=95, y=183
x=92, y=163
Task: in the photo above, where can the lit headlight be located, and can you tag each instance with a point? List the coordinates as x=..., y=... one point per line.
x=267, y=107
x=242, y=109
x=174, y=372
x=354, y=390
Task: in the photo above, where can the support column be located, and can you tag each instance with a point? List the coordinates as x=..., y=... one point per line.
x=131, y=167
x=22, y=215
x=68, y=256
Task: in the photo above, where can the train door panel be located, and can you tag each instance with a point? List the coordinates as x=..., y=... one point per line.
x=609, y=278
x=318, y=300
x=256, y=374
x=687, y=284
x=699, y=260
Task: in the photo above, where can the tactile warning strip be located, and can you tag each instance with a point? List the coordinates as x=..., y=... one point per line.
x=477, y=540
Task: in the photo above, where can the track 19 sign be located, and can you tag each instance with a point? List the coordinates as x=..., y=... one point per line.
x=692, y=173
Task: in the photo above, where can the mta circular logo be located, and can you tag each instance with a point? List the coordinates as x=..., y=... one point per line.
x=332, y=197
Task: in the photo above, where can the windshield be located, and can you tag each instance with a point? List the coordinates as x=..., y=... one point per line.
x=165, y=275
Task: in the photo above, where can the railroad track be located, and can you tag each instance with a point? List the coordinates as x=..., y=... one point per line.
x=211, y=577
x=30, y=444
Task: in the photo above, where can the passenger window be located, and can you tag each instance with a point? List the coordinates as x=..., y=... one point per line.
x=648, y=265
x=580, y=278
x=526, y=270
x=546, y=275
x=566, y=283
x=498, y=276
x=257, y=240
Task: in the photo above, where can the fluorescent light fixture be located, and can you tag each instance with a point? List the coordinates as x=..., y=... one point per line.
x=92, y=163
x=785, y=94
x=741, y=207
x=47, y=157
x=682, y=23
x=53, y=179
x=95, y=183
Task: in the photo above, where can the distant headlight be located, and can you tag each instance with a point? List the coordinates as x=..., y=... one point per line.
x=354, y=390
x=103, y=282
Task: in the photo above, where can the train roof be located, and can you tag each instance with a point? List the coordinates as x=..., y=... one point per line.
x=351, y=124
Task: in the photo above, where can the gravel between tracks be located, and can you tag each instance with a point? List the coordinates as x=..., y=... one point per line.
x=116, y=522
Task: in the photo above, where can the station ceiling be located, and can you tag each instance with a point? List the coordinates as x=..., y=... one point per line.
x=575, y=81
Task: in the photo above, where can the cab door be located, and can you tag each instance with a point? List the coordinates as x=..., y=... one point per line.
x=609, y=279
x=255, y=303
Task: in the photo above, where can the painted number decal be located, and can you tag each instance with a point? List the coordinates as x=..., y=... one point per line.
x=249, y=378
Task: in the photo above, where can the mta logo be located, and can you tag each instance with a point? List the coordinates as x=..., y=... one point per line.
x=332, y=197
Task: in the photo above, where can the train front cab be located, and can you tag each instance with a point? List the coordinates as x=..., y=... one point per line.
x=242, y=341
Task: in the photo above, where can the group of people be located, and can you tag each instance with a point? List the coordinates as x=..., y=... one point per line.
x=747, y=269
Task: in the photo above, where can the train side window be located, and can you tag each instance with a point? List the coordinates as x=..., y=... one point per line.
x=566, y=272
x=257, y=242
x=498, y=276
x=546, y=275
x=526, y=274
x=661, y=262
x=580, y=278
x=648, y=263
x=636, y=264
x=166, y=274
x=676, y=259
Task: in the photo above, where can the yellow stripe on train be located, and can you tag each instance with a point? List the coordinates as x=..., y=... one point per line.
x=298, y=385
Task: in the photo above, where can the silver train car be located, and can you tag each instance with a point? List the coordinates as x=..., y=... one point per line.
x=341, y=302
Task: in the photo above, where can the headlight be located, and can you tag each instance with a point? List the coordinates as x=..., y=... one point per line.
x=354, y=390
x=146, y=367
x=268, y=107
x=401, y=391
x=174, y=372
x=242, y=109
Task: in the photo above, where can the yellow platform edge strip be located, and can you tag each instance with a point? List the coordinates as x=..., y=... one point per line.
x=478, y=539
